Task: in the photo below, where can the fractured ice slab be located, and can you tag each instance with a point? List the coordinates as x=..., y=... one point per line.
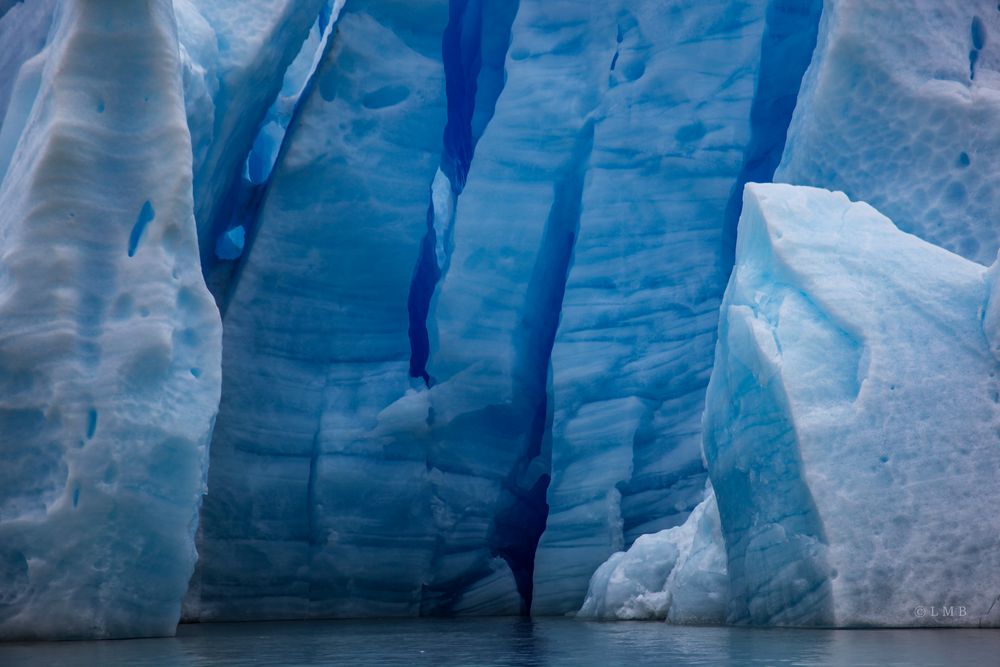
x=852, y=419
x=687, y=104
x=320, y=498
x=110, y=346
x=678, y=575
x=899, y=109
x=234, y=55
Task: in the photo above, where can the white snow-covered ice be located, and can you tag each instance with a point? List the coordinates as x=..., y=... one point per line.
x=851, y=427
x=677, y=575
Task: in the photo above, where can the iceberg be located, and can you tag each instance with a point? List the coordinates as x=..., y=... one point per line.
x=677, y=575
x=851, y=422
x=897, y=109
x=110, y=347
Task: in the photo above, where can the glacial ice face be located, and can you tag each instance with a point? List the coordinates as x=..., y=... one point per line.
x=321, y=498
x=652, y=253
x=530, y=161
x=899, y=109
x=851, y=419
x=110, y=346
x=678, y=575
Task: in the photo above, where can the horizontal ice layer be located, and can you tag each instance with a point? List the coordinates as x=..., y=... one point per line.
x=110, y=345
x=234, y=56
x=899, y=109
x=693, y=101
x=678, y=575
x=320, y=497
x=851, y=422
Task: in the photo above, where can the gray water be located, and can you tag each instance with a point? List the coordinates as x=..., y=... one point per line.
x=510, y=641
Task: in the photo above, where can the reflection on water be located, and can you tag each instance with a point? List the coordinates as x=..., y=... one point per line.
x=510, y=641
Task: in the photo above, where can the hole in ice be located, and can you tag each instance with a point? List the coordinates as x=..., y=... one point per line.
x=385, y=96
x=634, y=70
x=978, y=33
x=100, y=106
x=973, y=57
x=963, y=159
x=883, y=458
x=146, y=215
x=196, y=372
x=619, y=38
x=76, y=495
x=91, y=423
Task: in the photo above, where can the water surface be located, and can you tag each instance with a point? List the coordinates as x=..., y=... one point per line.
x=510, y=641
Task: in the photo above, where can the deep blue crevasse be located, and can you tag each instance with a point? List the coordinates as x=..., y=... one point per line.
x=474, y=50
x=786, y=51
x=519, y=524
x=244, y=200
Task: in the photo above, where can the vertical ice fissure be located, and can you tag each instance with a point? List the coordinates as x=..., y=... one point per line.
x=520, y=523
x=474, y=49
x=786, y=51
x=233, y=231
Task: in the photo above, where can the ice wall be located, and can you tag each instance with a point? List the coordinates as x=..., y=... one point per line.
x=110, y=346
x=898, y=109
x=554, y=130
x=315, y=505
x=672, y=144
x=851, y=421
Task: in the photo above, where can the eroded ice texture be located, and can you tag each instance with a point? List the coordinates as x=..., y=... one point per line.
x=320, y=496
x=852, y=421
x=110, y=345
x=677, y=575
x=24, y=31
x=899, y=109
x=239, y=213
x=234, y=56
x=671, y=143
